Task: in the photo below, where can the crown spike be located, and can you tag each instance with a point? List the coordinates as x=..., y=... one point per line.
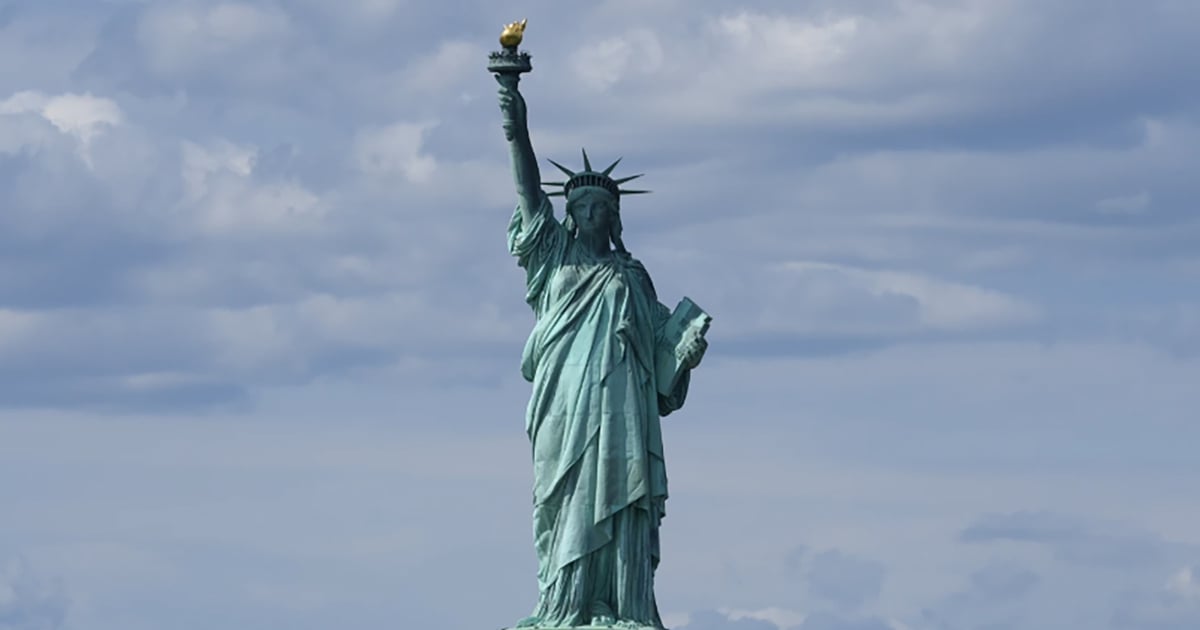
x=588, y=178
x=562, y=168
x=626, y=179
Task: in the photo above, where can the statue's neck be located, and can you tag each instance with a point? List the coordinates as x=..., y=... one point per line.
x=597, y=245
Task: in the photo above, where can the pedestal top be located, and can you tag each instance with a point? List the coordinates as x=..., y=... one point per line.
x=612, y=627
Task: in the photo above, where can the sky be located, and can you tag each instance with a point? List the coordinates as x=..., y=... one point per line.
x=260, y=333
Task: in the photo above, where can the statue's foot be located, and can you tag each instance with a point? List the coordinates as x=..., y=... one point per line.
x=528, y=622
x=602, y=615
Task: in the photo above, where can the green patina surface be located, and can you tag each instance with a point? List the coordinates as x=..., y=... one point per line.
x=595, y=358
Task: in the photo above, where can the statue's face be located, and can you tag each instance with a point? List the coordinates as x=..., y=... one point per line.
x=593, y=212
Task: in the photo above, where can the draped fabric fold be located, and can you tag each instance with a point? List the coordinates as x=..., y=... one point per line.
x=600, y=483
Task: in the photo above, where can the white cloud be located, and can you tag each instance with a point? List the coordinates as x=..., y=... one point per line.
x=1185, y=583
x=820, y=67
x=26, y=101
x=889, y=65
x=722, y=620
x=784, y=618
x=80, y=116
x=288, y=338
x=1174, y=606
x=818, y=298
x=14, y=325
x=932, y=169
x=783, y=50
x=223, y=195
x=254, y=339
x=394, y=151
x=201, y=162
x=358, y=14
x=28, y=602
x=452, y=64
x=601, y=65
x=941, y=305
x=181, y=37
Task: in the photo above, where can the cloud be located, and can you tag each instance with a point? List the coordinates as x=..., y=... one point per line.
x=182, y=37
x=1037, y=527
x=357, y=14
x=452, y=65
x=782, y=618
x=216, y=233
x=842, y=579
x=1003, y=581
x=604, y=64
x=942, y=240
x=394, y=152
x=1124, y=205
x=804, y=306
x=940, y=305
x=221, y=195
x=784, y=48
x=80, y=116
x=251, y=155
x=963, y=66
x=995, y=596
x=1174, y=606
x=1185, y=583
x=1074, y=540
x=1175, y=328
x=29, y=602
x=713, y=620
x=829, y=621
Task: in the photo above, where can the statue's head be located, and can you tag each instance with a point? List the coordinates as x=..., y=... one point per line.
x=592, y=209
x=593, y=200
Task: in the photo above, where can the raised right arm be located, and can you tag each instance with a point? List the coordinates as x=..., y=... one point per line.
x=524, y=162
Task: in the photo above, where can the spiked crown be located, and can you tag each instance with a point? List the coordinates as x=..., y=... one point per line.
x=589, y=177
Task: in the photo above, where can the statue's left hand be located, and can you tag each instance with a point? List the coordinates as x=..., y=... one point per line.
x=512, y=104
x=694, y=352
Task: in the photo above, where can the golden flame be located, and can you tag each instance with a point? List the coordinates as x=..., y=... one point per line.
x=511, y=36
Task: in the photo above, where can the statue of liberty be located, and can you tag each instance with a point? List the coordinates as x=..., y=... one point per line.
x=596, y=360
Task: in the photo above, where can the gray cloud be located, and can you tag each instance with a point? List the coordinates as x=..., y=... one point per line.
x=29, y=602
x=1003, y=581
x=1173, y=606
x=954, y=206
x=996, y=597
x=1039, y=527
x=867, y=174
x=842, y=579
x=713, y=620
x=1076, y=540
x=828, y=621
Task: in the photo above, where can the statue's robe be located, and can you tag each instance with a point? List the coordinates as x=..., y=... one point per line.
x=600, y=482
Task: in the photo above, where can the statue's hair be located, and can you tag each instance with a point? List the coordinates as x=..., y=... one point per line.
x=614, y=203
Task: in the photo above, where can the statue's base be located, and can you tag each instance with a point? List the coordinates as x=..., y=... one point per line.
x=612, y=627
